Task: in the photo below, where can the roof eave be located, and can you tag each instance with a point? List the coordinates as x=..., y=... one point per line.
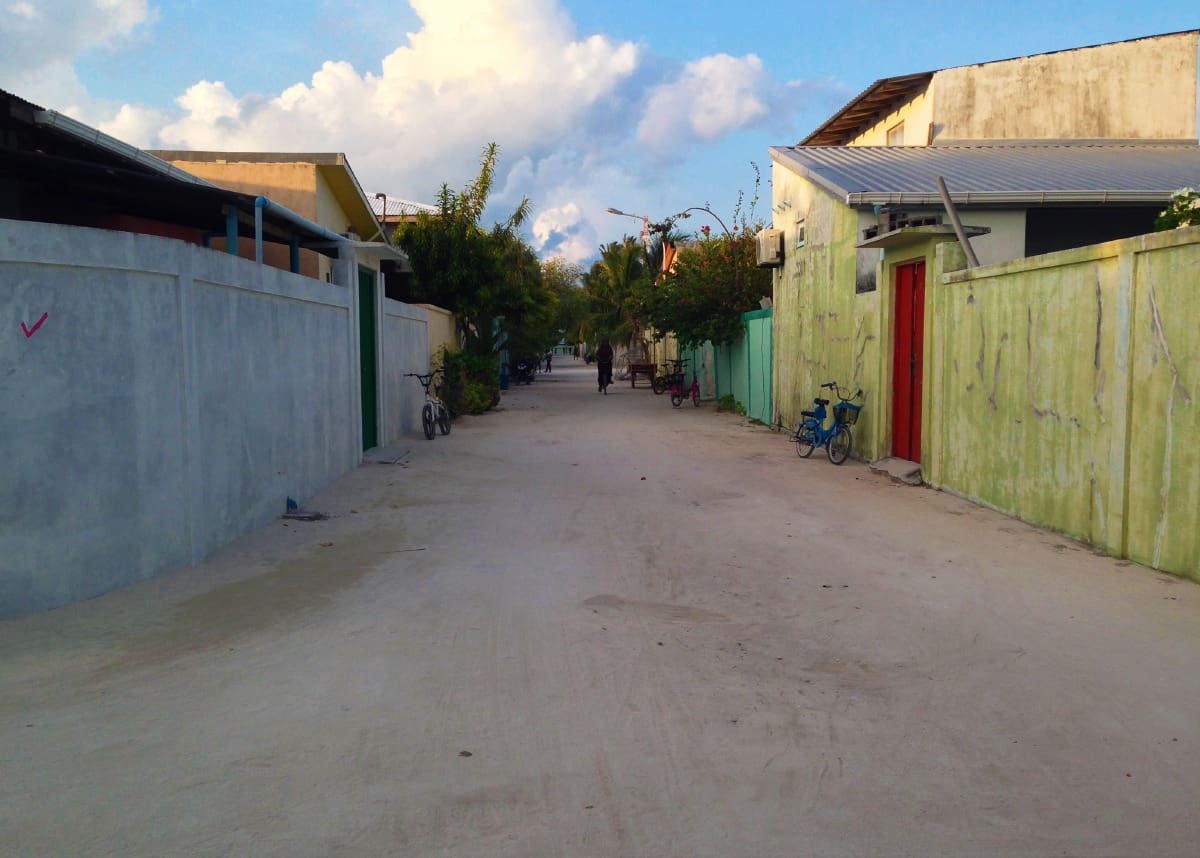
x=781, y=155
x=999, y=198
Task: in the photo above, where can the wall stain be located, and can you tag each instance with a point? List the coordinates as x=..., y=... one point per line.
x=996, y=372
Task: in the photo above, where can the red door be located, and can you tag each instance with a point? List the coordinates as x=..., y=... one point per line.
x=906, y=375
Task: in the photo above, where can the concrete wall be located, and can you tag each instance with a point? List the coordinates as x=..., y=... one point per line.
x=404, y=348
x=1143, y=89
x=1064, y=390
x=172, y=399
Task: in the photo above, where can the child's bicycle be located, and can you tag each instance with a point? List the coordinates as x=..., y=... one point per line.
x=662, y=381
x=837, y=439
x=681, y=391
x=434, y=413
x=672, y=371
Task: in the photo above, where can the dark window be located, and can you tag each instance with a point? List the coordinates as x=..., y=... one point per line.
x=1050, y=229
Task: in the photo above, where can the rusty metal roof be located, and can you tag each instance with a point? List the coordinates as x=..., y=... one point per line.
x=1026, y=174
x=880, y=98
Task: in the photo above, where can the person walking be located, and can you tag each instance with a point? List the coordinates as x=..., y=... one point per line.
x=549, y=354
x=604, y=362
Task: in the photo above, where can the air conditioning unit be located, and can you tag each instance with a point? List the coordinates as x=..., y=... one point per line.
x=770, y=248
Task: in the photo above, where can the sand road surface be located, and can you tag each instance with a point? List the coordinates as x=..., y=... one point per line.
x=590, y=625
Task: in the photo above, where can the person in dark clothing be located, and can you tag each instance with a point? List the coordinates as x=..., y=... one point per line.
x=548, y=356
x=604, y=362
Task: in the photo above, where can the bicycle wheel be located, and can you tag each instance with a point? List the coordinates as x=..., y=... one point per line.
x=659, y=385
x=677, y=399
x=839, y=445
x=696, y=396
x=806, y=441
x=427, y=420
x=443, y=419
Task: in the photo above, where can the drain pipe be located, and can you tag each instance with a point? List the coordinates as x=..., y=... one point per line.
x=261, y=204
x=972, y=259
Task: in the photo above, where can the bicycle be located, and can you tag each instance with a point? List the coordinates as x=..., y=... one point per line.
x=678, y=391
x=837, y=439
x=433, y=414
x=662, y=383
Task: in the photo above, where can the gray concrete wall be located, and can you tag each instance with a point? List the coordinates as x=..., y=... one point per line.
x=172, y=399
x=404, y=348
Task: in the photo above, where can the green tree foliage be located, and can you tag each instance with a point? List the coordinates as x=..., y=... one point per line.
x=611, y=288
x=485, y=277
x=564, y=282
x=714, y=280
x=1183, y=210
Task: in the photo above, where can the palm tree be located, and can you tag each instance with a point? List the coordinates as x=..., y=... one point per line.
x=610, y=287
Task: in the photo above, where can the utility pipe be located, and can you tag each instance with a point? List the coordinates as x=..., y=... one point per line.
x=972, y=259
x=261, y=204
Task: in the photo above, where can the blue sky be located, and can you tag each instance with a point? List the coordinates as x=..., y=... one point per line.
x=646, y=107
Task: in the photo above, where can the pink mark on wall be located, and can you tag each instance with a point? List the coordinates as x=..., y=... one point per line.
x=29, y=332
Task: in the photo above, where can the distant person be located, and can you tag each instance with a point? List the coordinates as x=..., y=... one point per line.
x=604, y=362
x=549, y=355
x=575, y=351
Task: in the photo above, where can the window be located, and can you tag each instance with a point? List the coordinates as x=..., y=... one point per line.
x=800, y=233
x=895, y=135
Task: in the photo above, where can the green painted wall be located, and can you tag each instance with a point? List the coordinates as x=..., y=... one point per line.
x=1063, y=389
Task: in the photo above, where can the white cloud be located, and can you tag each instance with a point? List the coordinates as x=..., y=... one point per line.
x=581, y=120
x=42, y=40
x=563, y=231
x=712, y=97
x=512, y=71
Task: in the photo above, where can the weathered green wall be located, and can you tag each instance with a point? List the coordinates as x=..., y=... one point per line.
x=823, y=329
x=1063, y=388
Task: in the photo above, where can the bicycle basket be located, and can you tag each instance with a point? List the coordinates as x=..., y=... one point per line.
x=846, y=413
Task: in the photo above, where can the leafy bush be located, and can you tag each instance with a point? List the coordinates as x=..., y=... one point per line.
x=470, y=382
x=1183, y=210
x=728, y=403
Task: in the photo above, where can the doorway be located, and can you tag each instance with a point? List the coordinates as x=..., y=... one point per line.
x=907, y=364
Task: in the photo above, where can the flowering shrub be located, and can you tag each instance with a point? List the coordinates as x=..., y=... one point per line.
x=1183, y=210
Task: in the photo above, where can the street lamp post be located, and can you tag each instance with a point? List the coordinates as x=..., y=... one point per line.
x=684, y=214
x=645, y=224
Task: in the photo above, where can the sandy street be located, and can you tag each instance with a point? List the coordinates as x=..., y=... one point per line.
x=591, y=625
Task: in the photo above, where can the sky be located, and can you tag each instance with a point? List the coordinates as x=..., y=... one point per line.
x=650, y=108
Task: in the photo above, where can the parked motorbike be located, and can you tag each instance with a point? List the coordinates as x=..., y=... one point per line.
x=524, y=371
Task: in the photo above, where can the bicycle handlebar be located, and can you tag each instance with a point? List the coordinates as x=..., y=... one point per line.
x=833, y=385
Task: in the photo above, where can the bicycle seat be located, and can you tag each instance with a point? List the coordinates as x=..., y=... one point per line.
x=821, y=401
x=807, y=414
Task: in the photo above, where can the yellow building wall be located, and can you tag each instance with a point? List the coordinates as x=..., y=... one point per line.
x=916, y=114
x=822, y=329
x=442, y=330
x=1063, y=389
x=292, y=185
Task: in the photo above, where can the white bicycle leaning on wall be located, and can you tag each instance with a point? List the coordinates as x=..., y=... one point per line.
x=433, y=413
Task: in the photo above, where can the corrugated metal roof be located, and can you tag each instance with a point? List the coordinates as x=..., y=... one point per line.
x=997, y=174
x=400, y=208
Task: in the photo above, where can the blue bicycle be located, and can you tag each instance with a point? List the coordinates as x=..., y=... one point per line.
x=837, y=439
